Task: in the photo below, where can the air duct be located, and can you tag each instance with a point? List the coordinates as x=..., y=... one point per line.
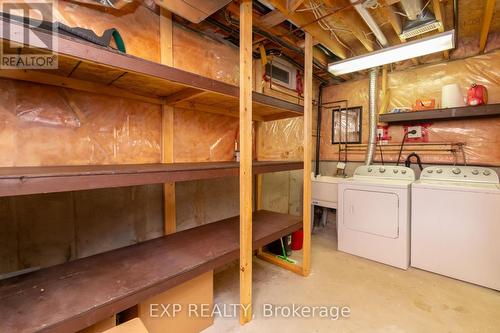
x=425, y=22
x=368, y=18
x=412, y=8
x=372, y=144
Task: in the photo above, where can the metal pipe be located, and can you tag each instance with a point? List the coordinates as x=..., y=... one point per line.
x=372, y=138
x=318, y=128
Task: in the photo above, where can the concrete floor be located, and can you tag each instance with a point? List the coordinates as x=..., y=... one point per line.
x=381, y=298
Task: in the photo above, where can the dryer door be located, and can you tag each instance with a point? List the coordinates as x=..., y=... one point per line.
x=370, y=211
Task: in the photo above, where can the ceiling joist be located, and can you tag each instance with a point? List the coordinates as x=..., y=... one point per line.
x=308, y=24
x=272, y=19
x=353, y=22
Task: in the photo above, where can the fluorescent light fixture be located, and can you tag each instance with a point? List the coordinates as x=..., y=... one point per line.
x=436, y=43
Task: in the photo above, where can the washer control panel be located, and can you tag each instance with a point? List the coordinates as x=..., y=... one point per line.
x=460, y=173
x=385, y=172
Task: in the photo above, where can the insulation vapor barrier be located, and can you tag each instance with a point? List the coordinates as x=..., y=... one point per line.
x=43, y=125
x=481, y=136
x=281, y=140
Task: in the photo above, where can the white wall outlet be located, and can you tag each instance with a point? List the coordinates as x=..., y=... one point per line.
x=417, y=129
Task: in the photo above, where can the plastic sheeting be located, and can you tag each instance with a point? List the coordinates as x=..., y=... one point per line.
x=43, y=125
x=138, y=25
x=281, y=140
x=205, y=56
x=204, y=137
x=481, y=136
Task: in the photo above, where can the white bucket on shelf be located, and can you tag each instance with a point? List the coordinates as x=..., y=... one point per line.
x=451, y=96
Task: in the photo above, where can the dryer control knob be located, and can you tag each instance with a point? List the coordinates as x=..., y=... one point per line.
x=369, y=169
x=475, y=172
x=456, y=171
x=382, y=170
x=430, y=171
x=403, y=171
x=486, y=172
x=439, y=170
x=395, y=170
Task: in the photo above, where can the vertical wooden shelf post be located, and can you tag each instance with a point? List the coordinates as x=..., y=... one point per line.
x=167, y=128
x=246, y=161
x=308, y=105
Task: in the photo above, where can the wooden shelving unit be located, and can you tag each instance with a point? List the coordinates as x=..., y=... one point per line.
x=67, y=297
x=32, y=180
x=488, y=110
x=74, y=295
x=88, y=67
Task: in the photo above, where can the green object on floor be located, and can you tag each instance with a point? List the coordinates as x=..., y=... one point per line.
x=284, y=256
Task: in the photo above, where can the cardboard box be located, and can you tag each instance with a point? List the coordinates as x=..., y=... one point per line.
x=132, y=326
x=169, y=311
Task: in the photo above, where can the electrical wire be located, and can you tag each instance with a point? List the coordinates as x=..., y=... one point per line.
x=403, y=143
x=316, y=10
x=380, y=148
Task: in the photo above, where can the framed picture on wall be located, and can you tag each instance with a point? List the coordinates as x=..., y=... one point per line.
x=346, y=125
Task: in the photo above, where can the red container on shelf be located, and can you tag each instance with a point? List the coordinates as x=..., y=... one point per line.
x=297, y=238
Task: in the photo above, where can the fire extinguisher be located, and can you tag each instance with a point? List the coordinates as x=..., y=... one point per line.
x=477, y=95
x=299, y=86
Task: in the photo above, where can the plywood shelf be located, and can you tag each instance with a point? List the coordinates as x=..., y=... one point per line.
x=88, y=67
x=71, y=296
x=488, y=110
x=32, y=180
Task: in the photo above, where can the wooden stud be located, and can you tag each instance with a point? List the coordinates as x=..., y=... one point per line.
x=166, y=34
x=246, y=161
x=167, y=129
x=308, y=109
x=489, y=9
x=385, y=90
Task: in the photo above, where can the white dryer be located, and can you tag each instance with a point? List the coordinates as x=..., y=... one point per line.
x=456, y=224
x=374, y=214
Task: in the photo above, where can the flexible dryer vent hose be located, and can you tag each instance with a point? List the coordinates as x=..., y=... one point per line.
x=372, y=143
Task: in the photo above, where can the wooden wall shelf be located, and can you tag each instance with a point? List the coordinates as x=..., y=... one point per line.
x=88, y=67
x=32, y=180
x=488, y=110
x=71, y=296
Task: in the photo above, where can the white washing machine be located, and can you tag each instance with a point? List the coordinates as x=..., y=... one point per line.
x=456, y=224
x=374, y=214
